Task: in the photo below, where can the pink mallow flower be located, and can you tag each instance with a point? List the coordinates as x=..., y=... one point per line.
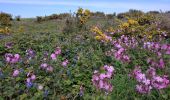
x=58, y=51
x=10, y=58
x=101, y=80
x=44, y=65
x=151, y=72
x=64, y=63
x=28, y=80
x=109, y=68
x=143, y=88
x=49, y=69
x=33, y=77
x=159, y=82
x=161, y=63
x=15, y=73
x=53, y=56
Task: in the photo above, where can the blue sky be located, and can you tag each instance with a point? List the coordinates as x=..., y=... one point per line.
x=33, y=8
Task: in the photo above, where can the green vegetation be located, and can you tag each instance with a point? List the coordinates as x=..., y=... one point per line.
x=52, y=57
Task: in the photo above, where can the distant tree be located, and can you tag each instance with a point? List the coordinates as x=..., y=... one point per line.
x=153, y=12
x=98, y=14
x=121, y=15
x=18, y=18
x=132, y=13
x=39, y=19
x=167, y=12
x=110, y=16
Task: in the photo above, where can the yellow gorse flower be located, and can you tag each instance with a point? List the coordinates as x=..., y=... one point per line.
x=83, y=15
x=132, y=22
x=6, y=30
x=125, y=25
x=99, y=34
x=110, y=29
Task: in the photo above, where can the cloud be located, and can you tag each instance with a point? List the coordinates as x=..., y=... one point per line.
x=99, y=4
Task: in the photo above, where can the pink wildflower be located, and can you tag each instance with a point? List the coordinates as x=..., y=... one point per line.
x=15, y=73
x=53, y=56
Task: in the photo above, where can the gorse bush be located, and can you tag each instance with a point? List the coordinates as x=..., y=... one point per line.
x=82, y=15
x=5, y=19
x=130, y=14
x=18, y=18
x=53, y=17
x=5, y=30
x=98, y=14
x=39, y=19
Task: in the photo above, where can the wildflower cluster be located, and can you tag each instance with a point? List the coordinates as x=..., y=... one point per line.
x=25, y=70
x=101, y=80
x=12, y=58
x=150, y=80
x=46, y=67
x=119, y=48
x=30, y=78
x=56, y=53
x=30, y=53
x=157, y=47
x=126, y=40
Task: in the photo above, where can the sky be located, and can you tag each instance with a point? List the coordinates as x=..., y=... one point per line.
x=33, y=8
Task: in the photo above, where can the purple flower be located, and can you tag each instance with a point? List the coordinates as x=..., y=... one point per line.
x=10, y=58
x=46, y=93
x=102, y=76
x=146, y=81
x=156, y=46
x=161, y=63
x=126, y=58
x=30, y=53
x=151, y=72
x=143, y=88
x=29, y=84
x=9, y=45
x=28, y=80
x=64, y=63
x=101, y=80
x=168, y=52
x=44, y=65
x=140, y=77
x=58, y=51
x=109, y=68
x=53, y=56
x=15, y=73
x=164, y=47
x=49, y=69
x=81, y=93
x=95, y=78
x=159, y=82
x=101, y=84
x=33, y=77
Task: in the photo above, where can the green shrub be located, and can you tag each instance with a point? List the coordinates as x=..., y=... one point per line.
x=18, y=18
x=39, y=19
